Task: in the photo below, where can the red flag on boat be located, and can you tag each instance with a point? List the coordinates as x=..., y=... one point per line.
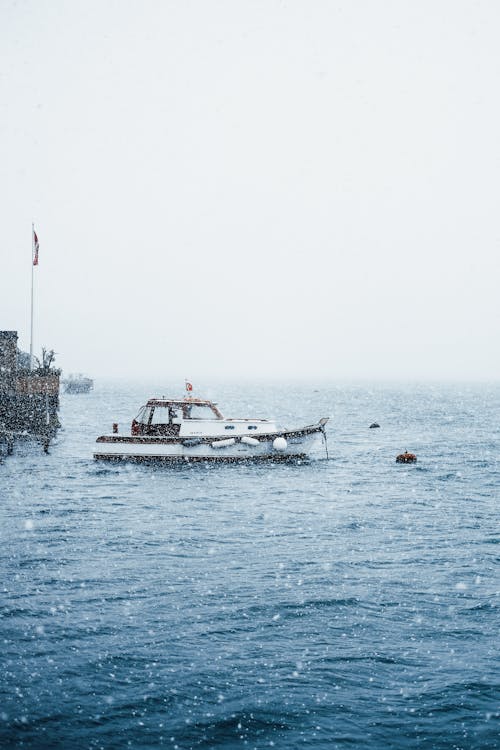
x=189, y=386
x=35, y=249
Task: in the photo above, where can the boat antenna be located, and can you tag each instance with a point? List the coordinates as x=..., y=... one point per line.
x=34, y=262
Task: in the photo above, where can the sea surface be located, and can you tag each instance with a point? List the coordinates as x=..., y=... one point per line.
x=343, y=603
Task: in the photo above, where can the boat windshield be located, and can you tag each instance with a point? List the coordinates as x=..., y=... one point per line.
x=160, y=415
x=143, y=416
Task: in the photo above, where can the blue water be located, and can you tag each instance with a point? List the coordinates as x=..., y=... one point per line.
x=348, y=603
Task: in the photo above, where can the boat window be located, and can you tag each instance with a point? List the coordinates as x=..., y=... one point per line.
x=160, y=415
x=252, y=426
x=229, y=427
x=143, y=416
x=197, y=411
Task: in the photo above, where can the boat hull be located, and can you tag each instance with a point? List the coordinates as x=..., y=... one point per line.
x=300, y=444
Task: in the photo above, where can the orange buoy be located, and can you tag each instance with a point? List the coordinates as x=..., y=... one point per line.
x=406, y=458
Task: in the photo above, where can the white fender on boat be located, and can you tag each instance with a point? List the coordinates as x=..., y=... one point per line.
x=223, y=443
x=279, y=444
x=250, y=440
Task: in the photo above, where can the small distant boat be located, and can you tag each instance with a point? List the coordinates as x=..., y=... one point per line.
x=192, y=429
x=78, y=384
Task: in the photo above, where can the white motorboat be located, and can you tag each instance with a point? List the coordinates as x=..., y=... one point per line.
x=192, y=429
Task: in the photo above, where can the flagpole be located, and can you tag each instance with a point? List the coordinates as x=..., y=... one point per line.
x=32, y=258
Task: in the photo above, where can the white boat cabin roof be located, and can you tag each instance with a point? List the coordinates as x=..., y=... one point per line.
x=179, y=402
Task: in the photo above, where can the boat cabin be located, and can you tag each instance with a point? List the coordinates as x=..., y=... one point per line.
x=191, y=417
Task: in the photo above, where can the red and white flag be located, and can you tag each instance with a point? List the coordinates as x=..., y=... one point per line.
x=35, y=248
x=189, y=386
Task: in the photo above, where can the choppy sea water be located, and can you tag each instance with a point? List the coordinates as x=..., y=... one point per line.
x=342, y=603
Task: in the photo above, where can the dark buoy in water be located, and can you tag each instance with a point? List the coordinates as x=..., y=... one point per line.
x=373, y=425
x=406, y=458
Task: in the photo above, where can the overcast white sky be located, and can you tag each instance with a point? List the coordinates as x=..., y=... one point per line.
x=243, y=188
